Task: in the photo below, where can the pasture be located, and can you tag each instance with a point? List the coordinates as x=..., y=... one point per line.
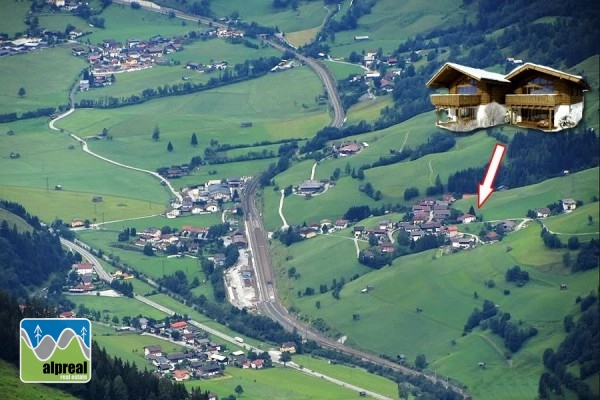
x=117, y=306
x=212, y=114
x=368, y=110
x=12, y=17
x=130, y=346
x=317, y=261
x=122, y=23
x=443, y=287
x=309, y=14
x=273, y=384
x=387, y=25
x=576, y=222
x=14, y=220
x=341, y=69
x=46, y=76
x=13, y=388
x=514, y=203
x=217, y=50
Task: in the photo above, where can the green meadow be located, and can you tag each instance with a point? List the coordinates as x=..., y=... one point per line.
x=119, y=306
x=130, y=346
x=217, y=50
x=213, y=114
x=368, y=110
x=341, y=70
x=309, y=14
x=443, y=286
x=273, y=384
x=12, y=16
x=122, y=23
x=14, y=389
x=388, y=24
x=14, y=220
x=577, y=222
x=514, y=203
x=46, y=76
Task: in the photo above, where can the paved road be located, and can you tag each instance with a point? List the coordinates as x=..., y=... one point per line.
x=84, y=251
x=270, y=305
x=328, y=80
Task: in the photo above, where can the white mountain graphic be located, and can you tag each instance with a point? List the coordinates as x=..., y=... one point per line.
x=46, y=347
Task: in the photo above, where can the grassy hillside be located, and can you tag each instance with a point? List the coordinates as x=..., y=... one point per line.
x=443, y=285
x=12, y=219
x=389, y=24
x=13, y=388
x=514, y=203
x=47, y=77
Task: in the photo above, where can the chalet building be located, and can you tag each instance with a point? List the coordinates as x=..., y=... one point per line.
x=531, y=96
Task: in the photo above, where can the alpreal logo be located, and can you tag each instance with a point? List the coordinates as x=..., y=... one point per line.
x=56, y=350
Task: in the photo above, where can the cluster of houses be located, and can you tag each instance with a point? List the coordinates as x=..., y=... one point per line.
x=428, y=218
x=203, y=358
x=207, y=197
x=85, y=278
x=112, y=56
x=21, y=46
x=186, y=239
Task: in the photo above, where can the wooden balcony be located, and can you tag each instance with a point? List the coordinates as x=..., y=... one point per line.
x=455, y=100
x=533, y=100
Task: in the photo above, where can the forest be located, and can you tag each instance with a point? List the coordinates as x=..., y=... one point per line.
x=28, y=259
x=535, y=156
x=579, y=348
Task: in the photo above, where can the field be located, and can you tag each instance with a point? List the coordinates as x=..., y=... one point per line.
x=341, y=70
x=514, y=203
x=213, y=114
x=130, y=346
x=123, y=23
x=443, y=287
x=118, y=306
x=309, y=14
x=387, y=25
x=217, y=50
x=273, y=384
x=13, y=388
x=14, y=220
x=11, y=18
x=576, y=222
x=46, y=76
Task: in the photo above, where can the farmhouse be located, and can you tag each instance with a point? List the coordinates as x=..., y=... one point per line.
x=153, y=350
x=290, y=347
x=531, y=96
x=569, y=204
x=542, y=212
x=466, y=218
x=83, y=268
x=310, y=186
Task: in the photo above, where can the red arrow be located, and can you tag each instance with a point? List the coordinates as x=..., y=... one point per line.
x=485, y=188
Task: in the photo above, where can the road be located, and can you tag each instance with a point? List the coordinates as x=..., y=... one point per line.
x=84, y=251
x=270, y=305
x=328, y=80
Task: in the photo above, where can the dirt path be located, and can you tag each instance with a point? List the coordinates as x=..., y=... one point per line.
x=285, y=224
x=495, y=347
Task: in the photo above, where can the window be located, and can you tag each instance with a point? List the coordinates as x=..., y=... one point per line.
x=467, y=86
x=540, y=86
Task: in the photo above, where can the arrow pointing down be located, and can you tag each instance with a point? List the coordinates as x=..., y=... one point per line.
x=485, y=188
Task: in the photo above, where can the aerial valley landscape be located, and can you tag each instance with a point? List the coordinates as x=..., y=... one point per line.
x=299, y=199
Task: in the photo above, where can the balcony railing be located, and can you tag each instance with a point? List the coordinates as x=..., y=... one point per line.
x=455, y=100
x=533, y=100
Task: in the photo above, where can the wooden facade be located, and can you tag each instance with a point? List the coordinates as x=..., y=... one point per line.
x=531, y=93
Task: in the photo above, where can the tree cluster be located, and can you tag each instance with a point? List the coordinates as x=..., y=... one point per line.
x=588, y=257
x=517, y=275
x=580, y=348
x=574, y=151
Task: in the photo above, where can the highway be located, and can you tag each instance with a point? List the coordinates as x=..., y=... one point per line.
x=83, y=249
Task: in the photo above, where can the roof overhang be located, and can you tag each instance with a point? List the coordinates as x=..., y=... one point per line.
x=527, y=67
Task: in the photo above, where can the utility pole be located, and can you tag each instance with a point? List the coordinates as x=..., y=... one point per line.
x=47, y=187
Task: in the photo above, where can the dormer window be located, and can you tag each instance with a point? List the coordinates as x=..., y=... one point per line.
x=540, y=86
x=467, y=86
